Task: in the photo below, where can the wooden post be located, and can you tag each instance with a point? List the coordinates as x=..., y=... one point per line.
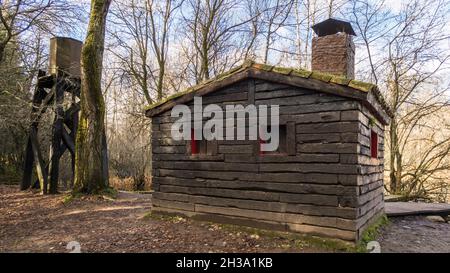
x=105, y=169
x=40, y=169
x=29, y=157
x=57, y=134
x=73, y=135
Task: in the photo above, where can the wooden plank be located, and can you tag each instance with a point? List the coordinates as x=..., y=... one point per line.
x=312, y=99
x=236, y=149
x=28, y=167
x=318, y=178
x=331, y=222
x=39, y=162
x=311, y=168
x=313, y=199
x=251, y=195
x=201, y=92
x=395, y=209
x=319, y=107
x=260, y=186
x=340, y=148
x=346, y=235
x=333, y=116
x=105, y=167
x=57, y=132
x=318, y=138
x=251, y=91
x=208, y=166
x=311, y=84
x=29, y=157
x=68, y=141
x=185, y=157
x=333, y=127
x=290, y=138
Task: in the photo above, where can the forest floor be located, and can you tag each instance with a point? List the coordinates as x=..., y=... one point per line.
x=30, y=222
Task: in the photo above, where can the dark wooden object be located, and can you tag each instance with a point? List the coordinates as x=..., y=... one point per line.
x=49, y=93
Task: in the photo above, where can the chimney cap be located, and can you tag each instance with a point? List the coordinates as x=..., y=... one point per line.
x=332, y=26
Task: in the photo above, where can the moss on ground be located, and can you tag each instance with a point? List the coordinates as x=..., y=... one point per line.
x=68, y=198
x=371, y=233
x=293, y=240
x=164, y=217
x=296, y=240
x=107, y=194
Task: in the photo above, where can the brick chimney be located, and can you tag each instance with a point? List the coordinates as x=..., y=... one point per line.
x=333, y=50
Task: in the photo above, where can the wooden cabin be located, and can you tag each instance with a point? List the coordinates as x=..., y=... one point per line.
x=325, y=179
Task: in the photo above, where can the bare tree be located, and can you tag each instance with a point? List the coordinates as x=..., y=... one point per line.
x=407, y=56
x=212, y=29
x=142, y=31
x=274, y=17
x=20, y=16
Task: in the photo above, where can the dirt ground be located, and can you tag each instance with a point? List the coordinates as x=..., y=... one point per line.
x=415, y=234
x=30, y=222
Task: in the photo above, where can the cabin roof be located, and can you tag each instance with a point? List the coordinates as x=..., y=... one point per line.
x=368, y=93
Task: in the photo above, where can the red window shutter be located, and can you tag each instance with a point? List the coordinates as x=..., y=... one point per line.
x=194, y=147
x=261, y=152
x=374, y=144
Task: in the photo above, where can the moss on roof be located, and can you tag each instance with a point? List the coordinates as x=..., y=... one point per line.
x=327, y=78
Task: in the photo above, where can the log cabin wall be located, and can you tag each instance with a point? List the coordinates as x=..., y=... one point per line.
x=326, y=182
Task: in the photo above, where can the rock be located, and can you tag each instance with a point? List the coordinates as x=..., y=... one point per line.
x=435, y=218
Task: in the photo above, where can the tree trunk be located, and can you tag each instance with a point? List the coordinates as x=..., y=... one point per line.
x=91, y=165
x=395, y=164
x=2, y=51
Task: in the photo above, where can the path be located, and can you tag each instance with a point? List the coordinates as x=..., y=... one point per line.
x=33, y=223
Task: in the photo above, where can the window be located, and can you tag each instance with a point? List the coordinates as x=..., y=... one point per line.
x=282, y=147
x=201, y=147
x=373, y=144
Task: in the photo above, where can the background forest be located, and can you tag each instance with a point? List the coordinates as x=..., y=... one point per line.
x=156, y=48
